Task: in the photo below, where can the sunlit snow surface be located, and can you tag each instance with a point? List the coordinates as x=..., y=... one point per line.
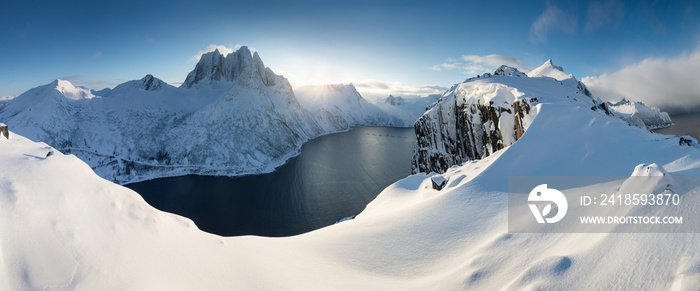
x=63, y=227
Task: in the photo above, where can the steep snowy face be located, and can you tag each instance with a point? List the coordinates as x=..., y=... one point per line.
x=240, y=66
x=640, y=115
x=548, y=69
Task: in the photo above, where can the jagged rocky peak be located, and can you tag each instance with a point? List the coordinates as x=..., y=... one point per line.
x=397, y=101
x=241, y=65
x=508, y=71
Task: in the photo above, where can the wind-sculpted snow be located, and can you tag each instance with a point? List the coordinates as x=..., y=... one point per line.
x=489, y=112
x=232, y=116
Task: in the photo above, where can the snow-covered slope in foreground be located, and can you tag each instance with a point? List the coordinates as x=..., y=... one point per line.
x=63, y=227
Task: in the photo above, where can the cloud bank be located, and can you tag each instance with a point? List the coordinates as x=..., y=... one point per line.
x=668, y=83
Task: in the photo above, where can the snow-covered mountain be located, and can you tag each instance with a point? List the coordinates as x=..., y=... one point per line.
x=489, y=112
x=548, y=69
x=231, y=116
x=147, y=83
x=342, y=106
x=640, y=115
x=407, y=108
x=63, y=227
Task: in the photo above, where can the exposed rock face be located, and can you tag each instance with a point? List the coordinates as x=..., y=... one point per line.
x=508, y=71
x=4, y=130
x=451, y=134
x=240, y=65
x=685, y=141
x=147, y=83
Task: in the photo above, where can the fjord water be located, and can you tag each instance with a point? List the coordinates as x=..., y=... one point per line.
x=335, y=176
x=684, y=124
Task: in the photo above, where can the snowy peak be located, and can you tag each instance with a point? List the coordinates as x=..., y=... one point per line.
x=150, y=83
x=640, y=115
x=549, y=69
x=396, y=101
x=69, y=91
x=238, y=66
x=147, y=83
x=508, y=71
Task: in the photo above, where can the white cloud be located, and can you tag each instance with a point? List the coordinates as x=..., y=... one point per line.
x=224, y=50
x=668, y=83
x=602, y=14
x=552, y=19
x=476, y=64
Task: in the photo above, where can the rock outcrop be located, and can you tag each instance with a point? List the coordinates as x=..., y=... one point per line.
x=4, y=131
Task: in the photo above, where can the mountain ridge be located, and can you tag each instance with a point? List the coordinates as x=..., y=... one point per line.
x=232, y=116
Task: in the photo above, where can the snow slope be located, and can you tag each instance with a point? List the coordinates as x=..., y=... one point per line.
x=232, y=116
x=63, y=227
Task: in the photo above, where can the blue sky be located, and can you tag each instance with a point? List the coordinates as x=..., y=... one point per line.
x=385, y=46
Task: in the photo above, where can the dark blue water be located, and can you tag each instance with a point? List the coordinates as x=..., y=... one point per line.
x=335, y=176
x=684, y=124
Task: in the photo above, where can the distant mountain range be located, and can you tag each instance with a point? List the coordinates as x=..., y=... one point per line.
x=231, y=116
